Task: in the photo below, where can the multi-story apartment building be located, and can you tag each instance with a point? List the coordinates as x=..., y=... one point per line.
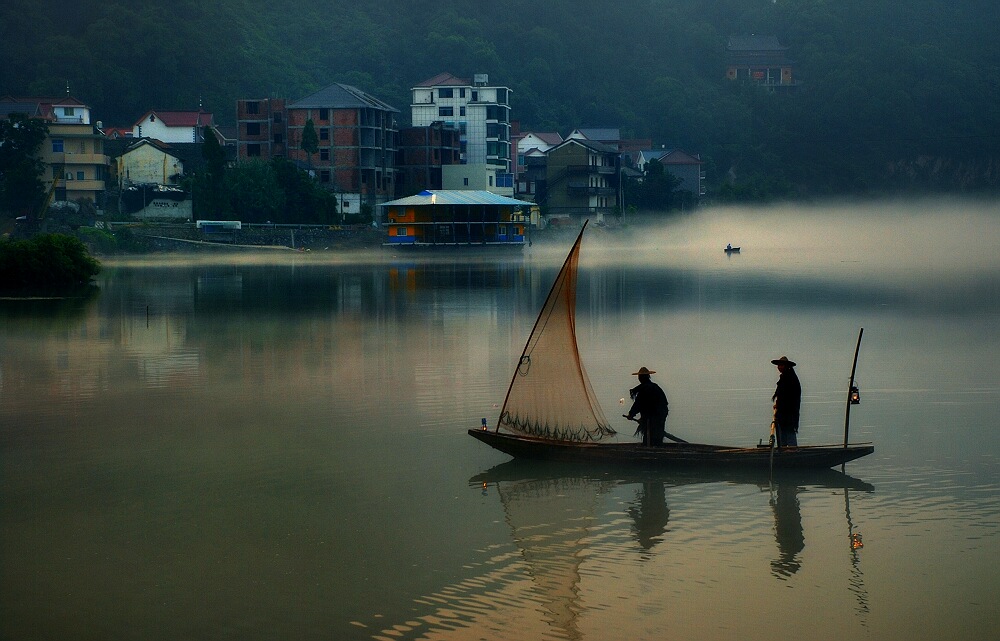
x=74, y=150
x=481, y=113
x=357, y=141
x=582, y=178
x=262, y=131
x=423, y=152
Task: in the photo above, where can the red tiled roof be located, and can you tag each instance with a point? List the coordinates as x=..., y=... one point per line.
x=179, y=118
x=445, y=79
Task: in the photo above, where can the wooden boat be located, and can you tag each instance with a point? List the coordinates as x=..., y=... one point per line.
x=671, y=455
x=551, y=412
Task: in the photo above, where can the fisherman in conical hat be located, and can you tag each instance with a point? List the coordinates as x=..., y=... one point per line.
x=787, y=398
x=650, y=403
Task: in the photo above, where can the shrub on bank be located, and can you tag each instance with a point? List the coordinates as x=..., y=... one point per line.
x=45, y=262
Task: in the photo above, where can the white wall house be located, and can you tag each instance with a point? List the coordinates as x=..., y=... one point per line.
x=480, y=112
x=172, y=126
x=146, y=162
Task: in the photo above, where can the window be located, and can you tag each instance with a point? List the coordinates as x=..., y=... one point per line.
x=253, y=151
x=253, y=128
x=324, y=133
x=324, y=114
x=475, y=96
x=444, y=230
x=278, y=117
x=324, y=175
x=57, y=145
x=324, y=154
x=401, y=231
x=465, y=181
x=461, y=111
x=80, y=176
x=461, y=93
x=446, y=93
x=502, y=230
x=446, y=111
x=491, y=181
x=253, y=107
x=69, y=111
x=278, y=139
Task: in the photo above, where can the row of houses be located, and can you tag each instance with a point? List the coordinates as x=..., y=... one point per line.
x=361, y=152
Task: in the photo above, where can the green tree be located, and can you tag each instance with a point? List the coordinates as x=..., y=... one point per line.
x=656, y=191
x=47, y=261
x=310, y=141
x=21, y=188
x=305, y=200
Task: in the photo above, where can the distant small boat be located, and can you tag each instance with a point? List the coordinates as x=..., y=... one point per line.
x=731, y=250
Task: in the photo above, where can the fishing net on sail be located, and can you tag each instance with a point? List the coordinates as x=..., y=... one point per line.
x=550, y=395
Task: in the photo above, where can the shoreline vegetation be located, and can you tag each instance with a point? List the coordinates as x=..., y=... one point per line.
x=46, y=265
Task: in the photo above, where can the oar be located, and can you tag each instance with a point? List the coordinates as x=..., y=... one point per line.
x=667, y=434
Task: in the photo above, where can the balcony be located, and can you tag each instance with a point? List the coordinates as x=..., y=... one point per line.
x=592, y=169
x=587, y=190
x=83, y=159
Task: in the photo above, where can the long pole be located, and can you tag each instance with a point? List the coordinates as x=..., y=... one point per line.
x=847, y=417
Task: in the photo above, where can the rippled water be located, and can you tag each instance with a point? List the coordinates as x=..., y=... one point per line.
x=276, y=449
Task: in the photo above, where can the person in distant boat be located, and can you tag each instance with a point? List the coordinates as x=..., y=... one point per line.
x=650, y=403
x=787, y=397
x=729, y=245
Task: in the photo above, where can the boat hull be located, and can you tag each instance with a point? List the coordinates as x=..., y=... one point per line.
x=674, y=454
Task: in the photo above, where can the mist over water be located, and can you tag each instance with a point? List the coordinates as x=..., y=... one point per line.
x=274, y=446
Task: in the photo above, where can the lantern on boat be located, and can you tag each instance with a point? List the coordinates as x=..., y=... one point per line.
x=855, y=396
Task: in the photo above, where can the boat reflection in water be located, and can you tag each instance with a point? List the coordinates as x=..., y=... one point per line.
x=580, y=536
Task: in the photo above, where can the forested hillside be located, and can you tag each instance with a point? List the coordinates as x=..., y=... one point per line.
x=895, y=95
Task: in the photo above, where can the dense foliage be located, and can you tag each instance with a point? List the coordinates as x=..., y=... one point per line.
x=45, y=262
x=894, y=96
x=21, y=188
x=275, y=191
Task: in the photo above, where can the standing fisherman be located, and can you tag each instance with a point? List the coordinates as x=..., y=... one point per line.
x=787, y=397
x=650, y=403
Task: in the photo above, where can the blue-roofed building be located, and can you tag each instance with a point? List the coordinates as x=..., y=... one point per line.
x=455, y=218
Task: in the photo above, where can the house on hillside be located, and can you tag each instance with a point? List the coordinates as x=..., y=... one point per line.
x=534, y=144
x=357, y=141
x=173, y=126
x=423, y=153
x=761, y=60
x=582, y=179
x=679, y=164
x=74, y=150
x=479, y=110
x=262, y=128
x=612, y=137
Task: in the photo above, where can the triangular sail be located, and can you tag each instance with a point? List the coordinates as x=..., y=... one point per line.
x=550, y=395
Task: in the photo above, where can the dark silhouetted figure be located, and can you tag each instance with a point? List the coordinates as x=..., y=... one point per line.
x=787, y=398
x=650, y=403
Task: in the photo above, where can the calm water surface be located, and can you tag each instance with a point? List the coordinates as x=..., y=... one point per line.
x=276, y=449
